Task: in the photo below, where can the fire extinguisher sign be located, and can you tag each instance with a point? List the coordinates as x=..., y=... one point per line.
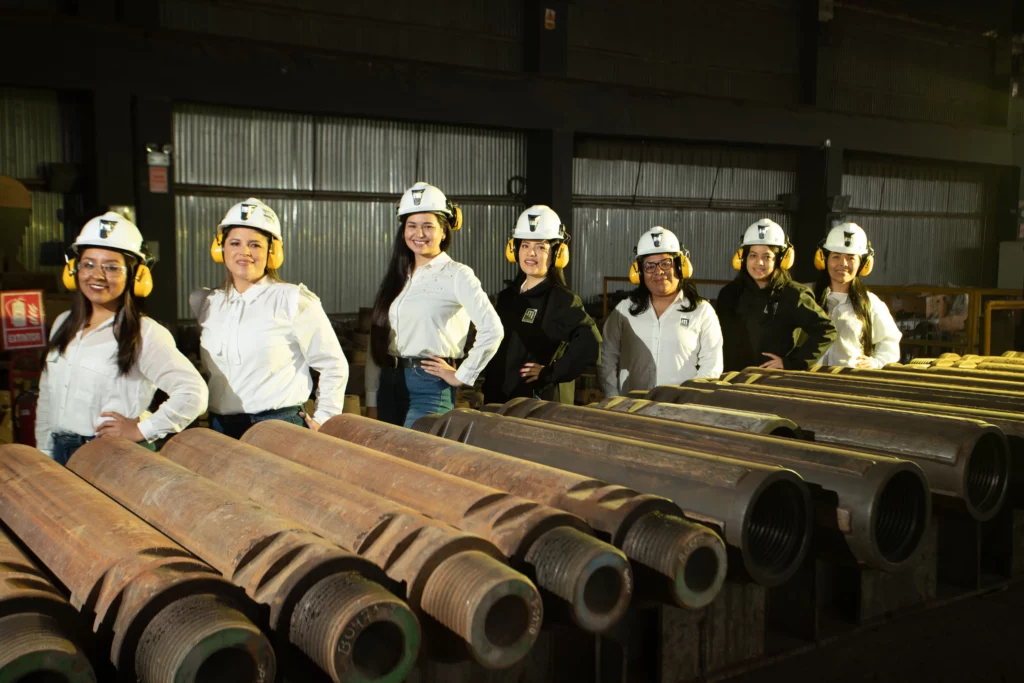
x=24, y=324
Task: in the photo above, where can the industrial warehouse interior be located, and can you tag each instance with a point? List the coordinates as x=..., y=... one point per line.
x=511, y=341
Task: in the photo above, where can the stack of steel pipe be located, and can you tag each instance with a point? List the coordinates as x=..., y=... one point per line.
x=327, y=602
x=967, y=461
x=454, y=579
x=686, y=561
x=1002, y=364
x=909, y=376
x=581, y=575
x=870, y=509
x=163, y=614
x=761, y=511
x=723, y=418
x=966, y=373
x=38, y=627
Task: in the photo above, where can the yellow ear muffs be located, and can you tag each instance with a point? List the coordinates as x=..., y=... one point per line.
x=867, y=266
x=275, y=257
x=685, y=267
x=737, y=259
x=819, y=259
x=634, y=273
x=217, y=248
x=143, y=282
x=456, y=221
x=562, y=256
x=510, y=251
x=68, y=277
x=788, y=258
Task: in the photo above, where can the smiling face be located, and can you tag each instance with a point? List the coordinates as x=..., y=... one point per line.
x=245, y=254
x=842, y=268
x=660, y=274
x=534, y=257
x=102, y=276
x=423, y=234
x=761, y=263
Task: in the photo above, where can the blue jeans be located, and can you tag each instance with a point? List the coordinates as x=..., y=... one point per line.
x=235, y=425
x=407, y=394
x=65, y=445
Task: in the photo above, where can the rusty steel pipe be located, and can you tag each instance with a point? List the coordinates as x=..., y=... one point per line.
x=871, y=509
x=458, y=579
x=921, y=379
x=761, y=511
x=723, y=418
x=587, y=578
x=327, y=602
x=38, y=627
x=967, y=462
x=684, y=562
x=166, y=615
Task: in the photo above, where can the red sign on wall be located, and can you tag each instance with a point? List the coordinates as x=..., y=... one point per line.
x=158, y=179
x=24, y=324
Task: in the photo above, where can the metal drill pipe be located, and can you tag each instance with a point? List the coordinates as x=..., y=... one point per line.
x=923, y=379
x=1014, y=368
x=38, y=627
x=1012, y=354
x=454, y=577
x=686, y=562
x=761, y=511
x=1009, y=360
x=845, y=385
x=967, y=462
x=723, y=418
x=1013, y=377
x=325, y=601
x=589, y=578
x=166, y=615
x=871, y=509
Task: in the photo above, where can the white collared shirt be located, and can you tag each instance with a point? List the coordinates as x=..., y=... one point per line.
x=258, y=347
x=431, y=317
x=83, y=382
x=847, y=347
x=644, y=351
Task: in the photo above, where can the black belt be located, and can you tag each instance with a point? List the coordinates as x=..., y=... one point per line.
x=409, y=362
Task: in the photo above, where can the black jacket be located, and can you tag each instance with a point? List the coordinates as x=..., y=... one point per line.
x=548, y=325
x=755, y=321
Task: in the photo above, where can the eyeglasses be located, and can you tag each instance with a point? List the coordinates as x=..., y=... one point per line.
x=109, y=269
x=650, y=267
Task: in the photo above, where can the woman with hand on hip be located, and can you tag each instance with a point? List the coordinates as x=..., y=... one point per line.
x=664, y=333
x=261, y=336
x=422, y=314
x=768, y=320
x=549, y=338
x=105, y=359
x=867, y=334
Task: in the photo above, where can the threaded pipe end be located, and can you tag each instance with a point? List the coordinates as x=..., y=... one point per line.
x=589, y=576
x=203, y=639
x=691, y=557
x=356, y=631
x=495, y=609
x=987, y=476
x=35, y=647
x=901, y=517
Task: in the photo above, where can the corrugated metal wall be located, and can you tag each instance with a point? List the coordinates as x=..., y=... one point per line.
x=731, y=48
x=707, y=196
x=481, y=33
x=927, y=224
x=338, y=238
x=30, y=138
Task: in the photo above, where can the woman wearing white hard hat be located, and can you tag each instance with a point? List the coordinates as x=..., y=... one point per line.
x=867, y=334
x=664, y=333
x=549, y=338
x=261, y=336
x=763, y=312
x=422, y=314
x=105, y=360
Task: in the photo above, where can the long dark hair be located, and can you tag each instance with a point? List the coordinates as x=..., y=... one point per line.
x=858, y=299
x=640, y=298
x=399, y=269
x=127, y=322
x=554, y=275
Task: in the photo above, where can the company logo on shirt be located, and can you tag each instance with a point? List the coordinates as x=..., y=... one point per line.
x=530, y=315
x=685, y=322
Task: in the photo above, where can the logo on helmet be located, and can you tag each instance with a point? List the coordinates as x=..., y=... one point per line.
x=656, y=239
x=534, y=219
x=417, y=197
x=106, y=227
x=247, y=210
x=761, y=230
x=847, y=238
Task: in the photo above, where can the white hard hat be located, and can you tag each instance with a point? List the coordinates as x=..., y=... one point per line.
x=252, y=213
x=111, y=231
x=424, y=198
x=539, y=222
x=658, y=240
x=766, y=232
x=847, y=238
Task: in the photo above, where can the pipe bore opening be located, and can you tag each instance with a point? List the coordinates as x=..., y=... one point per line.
x=987, y=474
x=784, y=432
x=778, y=523
x=507, y=621
x=43, y=677
x=228, y=666
x=378, y=649
x=603, y=590
x=899, y=519
x=701, y=569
